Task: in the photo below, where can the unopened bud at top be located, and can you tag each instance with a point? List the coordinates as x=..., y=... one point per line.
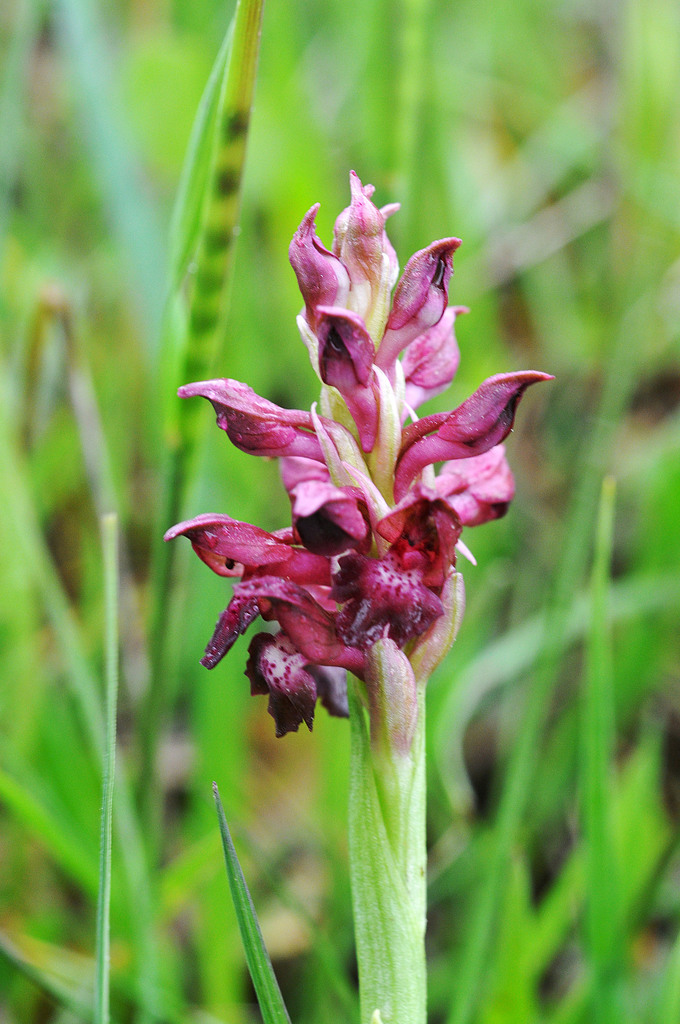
x=361, y=242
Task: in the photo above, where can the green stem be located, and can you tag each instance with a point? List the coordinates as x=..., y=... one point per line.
x=387, y=869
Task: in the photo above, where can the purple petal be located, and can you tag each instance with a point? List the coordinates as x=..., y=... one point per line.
x=480, y=423
x=423, y=531
x=233, y=548
x=232, y=623
x=228, y=546
x=420, y=298
x=328, y=519
x=346, y=349
x=322, y=278
x=346, y=354
x=480, y=489
x=378, y=597
x=277, y=668
x=310, y=627
x=254, y=424
x=431, y=361
x=295, y=470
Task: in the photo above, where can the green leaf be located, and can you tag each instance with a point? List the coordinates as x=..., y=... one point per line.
x=194, y=180
x=261, y=971
x=204, y=230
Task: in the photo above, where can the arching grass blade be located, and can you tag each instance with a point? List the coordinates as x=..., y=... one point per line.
x=264, y=980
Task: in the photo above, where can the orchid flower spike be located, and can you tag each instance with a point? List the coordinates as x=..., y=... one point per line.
x=362, y=579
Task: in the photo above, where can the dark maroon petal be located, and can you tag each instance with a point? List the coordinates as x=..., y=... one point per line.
x=420, y=298
x=228, y=545
x=480, y=423
x=378, y=596
x=234, y=620
x=254, y=424
x=431, y=361
x=331, y=686
x=322, y=278
x=423, y=531
x=303, y=567
x=480, y=489
x=328, y=519
x=310, y=626
x=277, y=668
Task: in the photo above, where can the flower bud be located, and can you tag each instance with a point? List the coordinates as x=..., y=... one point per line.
x=362, y=244
x=392, y=698
x=420, y=298
x=322, y=278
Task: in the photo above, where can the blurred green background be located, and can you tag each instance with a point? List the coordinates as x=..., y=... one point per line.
x=547, y=136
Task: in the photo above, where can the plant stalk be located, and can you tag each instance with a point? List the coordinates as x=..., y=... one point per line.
x=387, y=868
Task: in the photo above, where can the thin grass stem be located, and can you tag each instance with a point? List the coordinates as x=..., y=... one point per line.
x=109, y=524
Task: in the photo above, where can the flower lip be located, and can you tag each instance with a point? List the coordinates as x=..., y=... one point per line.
x=275, y=667
x=380, y=598
x=234, y=620
x=328, y=519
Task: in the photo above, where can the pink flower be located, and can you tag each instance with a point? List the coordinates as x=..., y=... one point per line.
x=366, y=572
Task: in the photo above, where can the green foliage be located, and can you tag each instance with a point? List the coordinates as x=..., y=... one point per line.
x=264, y=980
x=546, y=136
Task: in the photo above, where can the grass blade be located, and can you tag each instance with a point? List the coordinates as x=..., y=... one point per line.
x=264, y=980
x=194, y=183
x=193, y=330
x=602, y=924
x=110, y=549
x=13, y=85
